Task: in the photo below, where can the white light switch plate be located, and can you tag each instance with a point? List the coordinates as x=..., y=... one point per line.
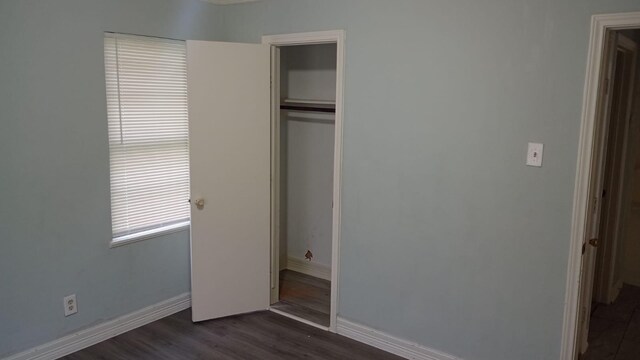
x=534, y=154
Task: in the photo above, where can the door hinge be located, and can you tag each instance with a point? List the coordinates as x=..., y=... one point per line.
x=584, y=248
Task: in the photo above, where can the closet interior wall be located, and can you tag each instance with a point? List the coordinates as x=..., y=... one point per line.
x=306, y=160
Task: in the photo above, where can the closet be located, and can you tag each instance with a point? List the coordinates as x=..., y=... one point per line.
x=305, y=157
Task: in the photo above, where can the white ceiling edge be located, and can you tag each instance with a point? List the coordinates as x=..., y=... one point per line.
x=228, y=2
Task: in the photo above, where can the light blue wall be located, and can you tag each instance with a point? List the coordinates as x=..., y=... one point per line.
x=448, y=239
x=54, y=178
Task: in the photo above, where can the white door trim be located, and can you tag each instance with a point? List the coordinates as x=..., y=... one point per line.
x=324, y=37
x=599, y=26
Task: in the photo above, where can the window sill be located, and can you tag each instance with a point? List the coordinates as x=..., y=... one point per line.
x=148, y=234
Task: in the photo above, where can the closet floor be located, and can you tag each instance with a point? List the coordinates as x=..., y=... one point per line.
x=304, y=296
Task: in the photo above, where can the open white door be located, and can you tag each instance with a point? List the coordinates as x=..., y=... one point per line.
x=229, y=130
x=608, y=277
x=590, y=242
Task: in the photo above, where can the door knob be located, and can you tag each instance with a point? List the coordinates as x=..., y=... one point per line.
x=199, y=204
x=594, y=242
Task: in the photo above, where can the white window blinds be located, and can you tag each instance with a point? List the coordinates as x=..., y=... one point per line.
x=148, y=124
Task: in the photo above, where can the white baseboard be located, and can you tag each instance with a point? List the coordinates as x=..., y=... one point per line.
x=388, y=343
x=309, y=268
x=106, y=330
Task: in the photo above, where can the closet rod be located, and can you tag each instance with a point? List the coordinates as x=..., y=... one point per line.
x=322, y=106
x=309, y=108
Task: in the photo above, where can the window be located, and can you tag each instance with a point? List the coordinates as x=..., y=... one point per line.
x=146, y=81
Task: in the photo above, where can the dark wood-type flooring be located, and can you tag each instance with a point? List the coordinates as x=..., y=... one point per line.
x=262, y=335
x=305, y=296
x=614, y=330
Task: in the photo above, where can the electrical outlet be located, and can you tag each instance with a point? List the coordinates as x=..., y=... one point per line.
x=70, y=305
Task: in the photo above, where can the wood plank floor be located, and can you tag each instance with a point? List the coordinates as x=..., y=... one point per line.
x=305, y=296
x=614, y=330
x=261, y=335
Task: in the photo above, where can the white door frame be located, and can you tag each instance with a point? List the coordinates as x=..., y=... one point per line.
x=599, y=26
x=321, y=37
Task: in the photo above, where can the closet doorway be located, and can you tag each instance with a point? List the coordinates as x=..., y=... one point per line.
x=306, y=154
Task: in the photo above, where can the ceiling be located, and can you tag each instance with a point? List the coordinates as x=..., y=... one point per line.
x=228, y=2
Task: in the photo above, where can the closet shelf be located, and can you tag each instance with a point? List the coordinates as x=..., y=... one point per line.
x=308, y=105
